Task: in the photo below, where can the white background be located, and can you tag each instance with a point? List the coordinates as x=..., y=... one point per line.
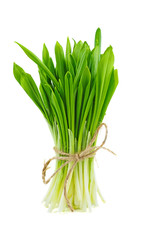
x=129, y=182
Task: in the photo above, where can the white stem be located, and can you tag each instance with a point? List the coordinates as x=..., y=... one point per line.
x=86, y=187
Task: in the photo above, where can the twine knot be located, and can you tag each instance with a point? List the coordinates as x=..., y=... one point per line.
x=77, y=157
x=88, y=152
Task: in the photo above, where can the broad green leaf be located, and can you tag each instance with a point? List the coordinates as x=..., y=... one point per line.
x=67, y=98
x=58, y=124
x=68, y=47
x=43, y=77
x=70, y=101
x=63, y=112
x=47, y=60
x=61, y=89
x=68, y=53
x=85, y=81
x=111, y=89
x=45, y=55
x=27, y=83
x=46, y=90
x=90, y=118
x=79, y=103
x=97, y=41
x=84, y=48
x=81, y=67
x=104, y=71
x=76, y=50
x=71, y=65
x=44, y=97
x=86, y=77
x=72, y=94
x=60, y=61
x=58, y=114
x=105, y=68
x=40, y=64
x=51, y=67
x=93, y=62
x=89, y=103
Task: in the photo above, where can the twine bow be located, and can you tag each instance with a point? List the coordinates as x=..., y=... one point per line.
x=88, y=152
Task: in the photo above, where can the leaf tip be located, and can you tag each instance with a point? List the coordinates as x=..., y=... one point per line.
x=17, y=43
x=98, y=30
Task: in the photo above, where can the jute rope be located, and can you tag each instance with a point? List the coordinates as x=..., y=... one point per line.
x=88, y=152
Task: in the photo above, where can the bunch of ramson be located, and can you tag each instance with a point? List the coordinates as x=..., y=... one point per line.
x=73, y=97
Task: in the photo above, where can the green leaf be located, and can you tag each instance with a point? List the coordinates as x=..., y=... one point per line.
x=67, y=98
x=63, y=112
x=47, y=60
x=68, y=47
x=79, y=103
x=93, y=62
x=68, y=53
x=111, y=89
x=51, y=67
x=46, y=91
x=81, y=67
x=45, y=99
x=60, y=61
x=97, y=41
x=89, y=118
x=86, y=88
x=84, y=48
x=86, y=77
x=72, y=95
x=105, y=67
x=71, y=65
x=45, y=55
x=41, y=65
x=89, y=103
x=27, y=83
x=76, y=50
x=61, y=89
x=61, y=139
x=58, y=114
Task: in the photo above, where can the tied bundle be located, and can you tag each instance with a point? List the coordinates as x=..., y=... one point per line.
x=89, y=152
x=73, y=97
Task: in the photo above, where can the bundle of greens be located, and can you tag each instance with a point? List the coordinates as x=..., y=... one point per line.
x=73, y=97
